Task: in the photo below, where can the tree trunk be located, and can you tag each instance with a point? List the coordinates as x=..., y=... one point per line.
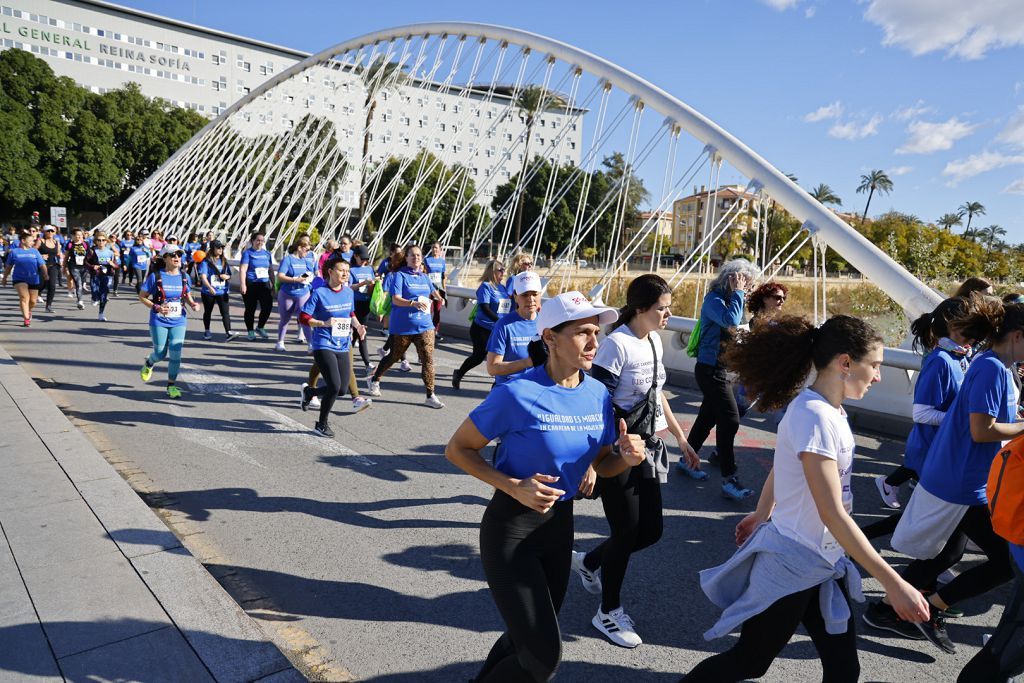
x=522, y=179
x=871, y=192
x=363, y=199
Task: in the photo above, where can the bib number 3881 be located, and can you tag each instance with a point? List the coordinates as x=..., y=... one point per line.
x=341, y=328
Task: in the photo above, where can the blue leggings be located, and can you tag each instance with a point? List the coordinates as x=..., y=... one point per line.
x=167, y=340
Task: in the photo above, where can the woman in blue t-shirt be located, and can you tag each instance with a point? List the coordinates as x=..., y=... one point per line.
x=950, y=505
x=555, y=424
x=508, y=347
x=295, y=275
x=215, y=282
x=493, y=302
x=437, y=271
x=256, y=273
x=29, y=269
x=165, y=293
x=361, y=278
x=103, y=262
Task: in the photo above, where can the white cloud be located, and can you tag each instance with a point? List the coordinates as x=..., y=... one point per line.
x=781, y=5
x=900, y=170
x=976, y=164
x=852, y=130
x=927, y=137
x=957, y=27
x=1016, y=187
x=911, y=111
x=1013, y=133
x=828, y=111
x=810, y=11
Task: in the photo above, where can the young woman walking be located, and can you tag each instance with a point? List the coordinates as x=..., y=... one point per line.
x=508, y=354
x=215, y=278
x=362, y=281
x=165, y=293
x=30, y=274
x=49, y=248
x=256, y=272
x=295, y=275
x=555, y=423
x=792, y=567
x=101, y=260
x=74, y=264
x=493, y=302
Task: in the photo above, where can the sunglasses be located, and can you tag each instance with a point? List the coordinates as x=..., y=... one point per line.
x=778, y=297
x=499, y=270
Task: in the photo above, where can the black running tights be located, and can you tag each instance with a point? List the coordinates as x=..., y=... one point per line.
x=976, y=525
x=362, y=311
x=479, y=335
x=632, y=505
x=1003, y=655
x=762, y=638
x=718, y=410
x=51, y=283
x=222, y=303
x=526, y=556
x=257, y=294
x=335, y=368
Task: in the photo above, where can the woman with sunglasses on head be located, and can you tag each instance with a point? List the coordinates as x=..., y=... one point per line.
x=493, y=302
x=165, y=293
x=30, y=273
x=101, y=260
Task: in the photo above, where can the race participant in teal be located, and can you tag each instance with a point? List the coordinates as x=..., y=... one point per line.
x=256, y=272
x=507, y=348
x=330, y=313
x=139, y=256
x=362, y=280
x=215, y=280
x=437, y=271
x=294, y=274
x=29, y=269
x=555, y=424
x=165, y=293
x=101, y=260
x=74, y=264
x=493, y=302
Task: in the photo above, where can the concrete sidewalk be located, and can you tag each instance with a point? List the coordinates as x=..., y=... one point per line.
x=93, y=585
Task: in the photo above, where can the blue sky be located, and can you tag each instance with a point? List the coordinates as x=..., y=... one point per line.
x=932, y=91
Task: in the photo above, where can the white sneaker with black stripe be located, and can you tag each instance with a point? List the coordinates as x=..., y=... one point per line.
x=591, y=580
x=618, y=627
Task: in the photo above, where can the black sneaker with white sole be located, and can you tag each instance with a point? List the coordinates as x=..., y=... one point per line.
x=935, y=630
x=306, y=396
x=883, y=617
x=323, y=429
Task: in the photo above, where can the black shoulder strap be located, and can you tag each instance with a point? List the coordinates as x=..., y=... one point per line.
x=654, y=369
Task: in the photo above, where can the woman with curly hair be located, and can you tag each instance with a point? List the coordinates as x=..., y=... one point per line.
x=766, y=302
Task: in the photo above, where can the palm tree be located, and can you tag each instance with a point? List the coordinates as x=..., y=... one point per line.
x=972, y=209
x=824, y=194
x=949, y=220
x=378, y=76
x=878, y=181
x=531, y=103
x=991, y=235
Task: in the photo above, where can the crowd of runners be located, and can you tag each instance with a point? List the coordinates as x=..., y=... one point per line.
x=581, y=414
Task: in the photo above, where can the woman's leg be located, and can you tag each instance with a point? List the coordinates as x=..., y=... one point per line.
x=424, y=343
x=224, y=304
x=719, y=410
x=353, y=384
x=995, y=571
x=287, y=306
x=900, y=476
x=51, y=284
x=331, y=367
x=208, y=303
x=175, y=345
x=479, y=336
x=362, y=309
x=140, y=277
x=837, y=651
x=33, y=299
x=399, y=344
x=1003, y=655
x=22, y=289
x=705, y=419
x=160, y=337
x=103, y=291
x=266, y=299
x=251, y=299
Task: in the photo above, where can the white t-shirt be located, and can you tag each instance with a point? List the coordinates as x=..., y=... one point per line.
x=811, y=425
x=629, y=358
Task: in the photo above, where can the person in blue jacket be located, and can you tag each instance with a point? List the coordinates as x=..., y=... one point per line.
x=720, y=315
x=493, y=302
x=166, y=293
x=29, y=269
x=256, y=273
x=555, y=424
x=508, y=346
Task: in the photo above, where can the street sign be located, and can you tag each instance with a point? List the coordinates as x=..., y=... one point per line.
x=59, y=217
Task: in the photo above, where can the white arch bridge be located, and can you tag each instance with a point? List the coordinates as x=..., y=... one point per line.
x=490, y=138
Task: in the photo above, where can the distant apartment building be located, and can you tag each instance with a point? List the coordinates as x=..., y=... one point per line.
x=690, y=217
x=660, y=232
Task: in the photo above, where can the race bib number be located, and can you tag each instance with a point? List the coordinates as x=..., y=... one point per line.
x=262, y=273
x=504, y=306
x=79, y=260
x=219, y=284
x=142, y=260
x=435, y=278
x=341, y=328
x=173, y=309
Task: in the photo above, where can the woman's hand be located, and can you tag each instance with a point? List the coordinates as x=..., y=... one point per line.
x=588, y=483
x=747, y=526
x=164, y=309
x=631, y=446
x=908, y=602
x=535, y=494
x=689, y=455
x=224, y=276
x=422, y=306
x=194, y=305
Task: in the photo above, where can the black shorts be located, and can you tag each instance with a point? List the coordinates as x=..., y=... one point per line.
x=37, y=287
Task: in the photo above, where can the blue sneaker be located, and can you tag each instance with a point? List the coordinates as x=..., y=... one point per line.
x=699, y=475
x=734, y=490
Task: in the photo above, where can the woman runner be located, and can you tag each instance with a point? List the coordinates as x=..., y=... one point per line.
x=49, y=248
x=492, y=304
x=256, y=273
x=165, y=293
x=508, y=354
x=294, y=274
x=791, y=568
x=215, y=279
x=74, y=264
x=101, y=260
x=30, y=274
x=437, y=271
x=555, y=423
x=362, y=280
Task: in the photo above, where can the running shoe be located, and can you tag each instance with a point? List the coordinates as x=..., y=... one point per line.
x=713, y=458
x=102, y=318
x=173, y=391
x=81, y=306
x=456, y=380
x=699, y=475
x=372, y=388
x=370, y=367
x=883, y=617
x=262, y=333
x=28, y=322
x=251, y=335
x=734, y=490
x=96, y=303
x=935, y=630
x=301, y=339
x=323, y=429
x=304, y=395
x=591, y=580
x=382, y=352
x=890, y=494
x=617, y=627
x=146, y=372
x=279, y=346
x=314, y=402
x=49, y=309
x=71, y=295
x=404, y=366
x=360, y=403
x=230, y=335
x=207, y=336
x=433, y=402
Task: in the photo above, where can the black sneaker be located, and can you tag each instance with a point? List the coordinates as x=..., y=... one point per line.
x=456, y=380
x=713, y=458
x=935, y=630
x=323, y=430
x=883, y=617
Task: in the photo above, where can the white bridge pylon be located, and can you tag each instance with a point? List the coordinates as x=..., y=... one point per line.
x=435, y=130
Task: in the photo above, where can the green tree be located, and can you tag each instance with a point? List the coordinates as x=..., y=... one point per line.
x=950, y=220
x=875, y=181
x=824, y=194
x=530, y=103
x=971, y=209
x=992, y=235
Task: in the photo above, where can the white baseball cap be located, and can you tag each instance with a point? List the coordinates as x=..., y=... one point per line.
x=527, y=281
x=571, y=306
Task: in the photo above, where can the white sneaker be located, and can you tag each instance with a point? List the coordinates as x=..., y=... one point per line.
x=591, y=580
x=890, y=494
x=314, y=402
x=95, y=303
x=372, y=388
x=279, y=346
x=102, y=318
x=617, y=626
x=404, y=366
x=303, y=403
x=382, y=352
x=370, y=367
x=360, y=403
x=71, y=295
x=433, y=402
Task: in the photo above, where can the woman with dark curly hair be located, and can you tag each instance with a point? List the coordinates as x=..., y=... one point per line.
x=766, y=302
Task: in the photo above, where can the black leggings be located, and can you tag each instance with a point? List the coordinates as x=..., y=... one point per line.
x=479, y=336
x=140, y=278
x=362, y=311
x=1003, y=655
x=526, y=558
x=77, y=276
x=222, y=303
x=51, y=283
x=261, y=294
x=335, y=368
x=901, y=475
x=763, y=636
x=632, y=505
x=717, y=410
x=977, y=526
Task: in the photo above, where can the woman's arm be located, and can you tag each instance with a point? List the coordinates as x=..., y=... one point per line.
x=628, y=452
x=485, y=308
x=761, y=514
x=725, y=310
x=243, y=270
x=496, y=365
x=985, y=429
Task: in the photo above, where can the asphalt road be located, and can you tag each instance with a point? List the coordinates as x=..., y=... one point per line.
x=361, y=553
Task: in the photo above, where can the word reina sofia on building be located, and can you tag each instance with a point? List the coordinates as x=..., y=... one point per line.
x=102, y=46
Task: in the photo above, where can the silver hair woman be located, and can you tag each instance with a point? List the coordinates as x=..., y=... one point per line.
x=729, y=273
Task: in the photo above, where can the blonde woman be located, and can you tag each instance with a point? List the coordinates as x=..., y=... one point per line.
x=521, y=262
x=493, y=302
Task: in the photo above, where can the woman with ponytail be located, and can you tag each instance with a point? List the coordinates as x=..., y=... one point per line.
x=629, y=362
x=792, y=566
